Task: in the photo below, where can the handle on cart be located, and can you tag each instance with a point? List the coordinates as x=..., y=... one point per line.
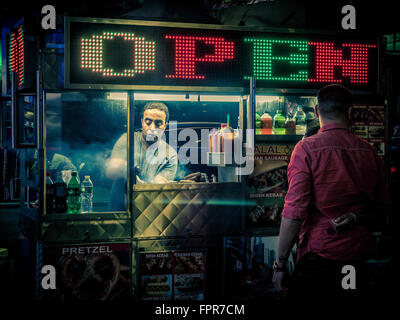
x=28, y=197
x=12, y=188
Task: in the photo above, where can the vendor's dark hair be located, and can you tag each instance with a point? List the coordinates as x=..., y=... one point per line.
x=334, y=101
x=157, y=105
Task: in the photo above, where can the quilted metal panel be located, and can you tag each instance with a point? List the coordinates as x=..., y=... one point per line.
x=179, y=209
x=88, y=227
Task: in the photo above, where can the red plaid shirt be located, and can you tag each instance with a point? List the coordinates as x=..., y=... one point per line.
x=332, y=173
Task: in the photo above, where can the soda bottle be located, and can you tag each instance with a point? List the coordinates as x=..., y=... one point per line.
x=258, y=123
x=279, y=123
x=74, y=197
x=290, y=125
x=60, y=195
x=87, y=195
x=301, y=124
x=49, y=194
x=266, y=123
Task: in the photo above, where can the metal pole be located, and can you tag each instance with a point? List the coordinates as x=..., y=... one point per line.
x=39, y=110
x=14, y=116
x=251, y=104
x=131, y=152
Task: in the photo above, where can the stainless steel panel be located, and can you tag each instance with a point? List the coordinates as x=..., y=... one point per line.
x=182, y=209
x=85, y=227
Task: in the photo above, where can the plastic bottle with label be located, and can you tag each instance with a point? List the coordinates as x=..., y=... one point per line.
x=227, y=136
x=87, y=195
x=258, y=123
x=301, y=124
x=215, y=141
x=290, y=125
x=49, y=194
x=266, y=120
x=279, y=123
x=60, y=195
x=74, y=199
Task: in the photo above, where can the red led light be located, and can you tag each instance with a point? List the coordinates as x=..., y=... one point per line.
x=185, y=54
x=327, y=58
x=16, y=55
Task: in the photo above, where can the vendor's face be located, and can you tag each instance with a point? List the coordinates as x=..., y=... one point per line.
x=153, y=124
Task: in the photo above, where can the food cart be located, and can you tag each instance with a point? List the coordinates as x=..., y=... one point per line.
x=181, y=240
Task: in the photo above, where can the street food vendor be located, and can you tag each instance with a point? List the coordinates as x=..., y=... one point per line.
x=155, y=160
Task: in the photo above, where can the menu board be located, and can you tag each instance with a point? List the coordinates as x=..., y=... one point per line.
x=173, y=275
x=96, y=272
x=269, y=177
x=267, y=185
x=368, y=122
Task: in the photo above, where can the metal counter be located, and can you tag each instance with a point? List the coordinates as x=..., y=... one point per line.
x=178, y=209
x=159, y=210
x=70, y=228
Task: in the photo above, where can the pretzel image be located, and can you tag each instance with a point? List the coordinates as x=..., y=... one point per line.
x=92, y=277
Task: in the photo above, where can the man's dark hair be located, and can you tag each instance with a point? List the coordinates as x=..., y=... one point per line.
x=157, y=105
x=334, y=101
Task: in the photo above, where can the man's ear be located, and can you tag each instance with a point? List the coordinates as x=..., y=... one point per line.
x=316, y=111
x=349, y=114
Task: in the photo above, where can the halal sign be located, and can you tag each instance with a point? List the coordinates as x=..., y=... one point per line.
x=133, y=55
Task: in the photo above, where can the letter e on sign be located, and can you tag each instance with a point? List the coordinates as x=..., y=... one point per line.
x=49, y=278
x=349, y=280
x=349, y=20
x=49, y=20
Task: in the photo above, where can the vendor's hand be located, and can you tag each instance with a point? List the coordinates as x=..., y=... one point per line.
x=344, y=222
x=193, y=176
x=196, y=177
x=279, y=281
x=160, y=179
x=138, y=180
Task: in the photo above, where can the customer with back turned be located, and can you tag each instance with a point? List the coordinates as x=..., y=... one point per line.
x=336, y=194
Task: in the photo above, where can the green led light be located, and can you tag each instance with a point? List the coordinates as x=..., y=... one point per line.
x=265, y=58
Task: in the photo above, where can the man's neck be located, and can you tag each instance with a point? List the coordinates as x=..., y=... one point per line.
x=324, y=122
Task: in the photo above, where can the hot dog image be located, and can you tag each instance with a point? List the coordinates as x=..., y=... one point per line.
x=157, y=286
